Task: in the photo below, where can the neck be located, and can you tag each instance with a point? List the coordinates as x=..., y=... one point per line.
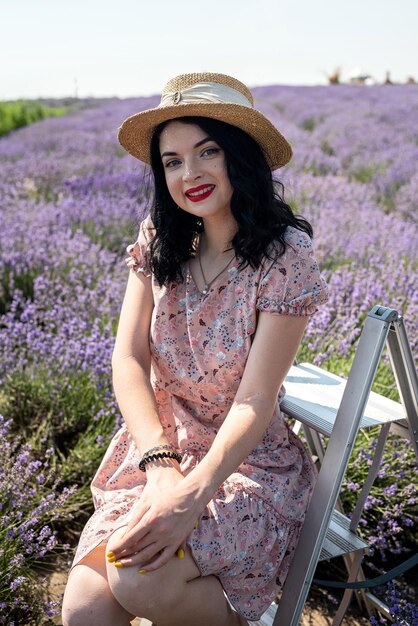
x=217, y=238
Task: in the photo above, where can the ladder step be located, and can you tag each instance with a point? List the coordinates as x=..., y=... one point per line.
x=314, y=395
x=340, y=539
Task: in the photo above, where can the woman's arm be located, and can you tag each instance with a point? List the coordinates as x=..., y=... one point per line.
x=272, y=353
x=131, y=365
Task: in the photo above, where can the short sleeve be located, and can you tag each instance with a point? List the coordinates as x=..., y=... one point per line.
x=139, y=259
x=292, y=284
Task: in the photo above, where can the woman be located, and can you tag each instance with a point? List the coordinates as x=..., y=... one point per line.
x=201, y=495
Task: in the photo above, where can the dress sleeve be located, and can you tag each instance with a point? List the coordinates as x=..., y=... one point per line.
x=291, y=284
x=139, y=259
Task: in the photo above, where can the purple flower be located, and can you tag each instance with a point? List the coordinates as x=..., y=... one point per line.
x=17, y=582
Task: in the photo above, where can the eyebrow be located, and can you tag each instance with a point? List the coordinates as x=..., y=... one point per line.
x=197, y=145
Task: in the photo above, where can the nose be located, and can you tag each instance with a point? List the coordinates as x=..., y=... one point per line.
x=191, y=171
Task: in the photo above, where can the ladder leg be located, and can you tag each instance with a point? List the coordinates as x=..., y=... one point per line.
x=405, y=375
x=333, y=469
x=371, y=476
x=345, y=602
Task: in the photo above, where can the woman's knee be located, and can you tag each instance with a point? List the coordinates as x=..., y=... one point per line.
x=74, y=607
x=87, y=598
x=140, y=594
x=73, y=615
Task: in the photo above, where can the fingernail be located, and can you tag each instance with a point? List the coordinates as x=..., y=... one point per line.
x=123, y=534
x=180, y=553
x=142, y=571
x=110, y=554
x=111, y=559
x=197, y=524
x=118, y=564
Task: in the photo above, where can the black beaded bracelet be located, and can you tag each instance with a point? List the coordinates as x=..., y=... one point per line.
x=159, y=455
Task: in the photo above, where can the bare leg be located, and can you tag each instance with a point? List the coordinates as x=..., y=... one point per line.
x=204, y=597
x=174, y=595
x=88, y=600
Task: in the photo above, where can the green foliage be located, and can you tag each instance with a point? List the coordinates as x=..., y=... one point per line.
x=366, y=173
x=21, y=113
x=327, y=148
x=10, y=281
x=31, y=502
x=58, y=407
x=310, y=123
x=69, y=414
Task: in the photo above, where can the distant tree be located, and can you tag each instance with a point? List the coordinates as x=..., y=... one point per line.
x=387, y=79
x=334, y=78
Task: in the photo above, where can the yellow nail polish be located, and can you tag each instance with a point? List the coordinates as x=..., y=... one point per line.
x=180, y=554
x=118, y=564
x=123, y=534
x=110, y=554
x=142, y=571
x=111, y=559
x=197, y=524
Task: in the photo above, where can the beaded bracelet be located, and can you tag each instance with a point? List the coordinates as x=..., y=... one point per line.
x=167, y=446
x=159, y=455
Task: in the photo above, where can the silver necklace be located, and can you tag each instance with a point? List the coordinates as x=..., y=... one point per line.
x=207, y=284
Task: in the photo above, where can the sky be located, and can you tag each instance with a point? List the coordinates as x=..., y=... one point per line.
x=57, y=48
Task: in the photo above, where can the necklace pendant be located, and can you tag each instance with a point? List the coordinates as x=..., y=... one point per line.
x=205, y=290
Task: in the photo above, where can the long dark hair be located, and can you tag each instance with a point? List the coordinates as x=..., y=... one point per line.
x=257, y=205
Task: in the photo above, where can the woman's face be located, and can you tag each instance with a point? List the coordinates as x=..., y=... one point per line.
x=195, y=171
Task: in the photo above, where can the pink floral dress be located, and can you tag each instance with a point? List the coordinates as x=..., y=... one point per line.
x=199, y=346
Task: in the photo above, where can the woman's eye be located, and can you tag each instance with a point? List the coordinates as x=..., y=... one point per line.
x=210, y=151
x=172, y=163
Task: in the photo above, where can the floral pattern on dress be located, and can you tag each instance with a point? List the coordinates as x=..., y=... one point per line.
x=199, y=347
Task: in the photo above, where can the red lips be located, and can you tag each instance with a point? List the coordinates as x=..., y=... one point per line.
x=196, y=194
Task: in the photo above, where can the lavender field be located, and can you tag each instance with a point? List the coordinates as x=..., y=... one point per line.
x=70, y=201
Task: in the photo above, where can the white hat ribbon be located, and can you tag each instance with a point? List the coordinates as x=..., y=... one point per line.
x=205, y=92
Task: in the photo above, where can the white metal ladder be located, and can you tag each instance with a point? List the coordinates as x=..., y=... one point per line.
x=327, y=404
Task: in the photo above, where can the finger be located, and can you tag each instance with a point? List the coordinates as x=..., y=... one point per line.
x=141, y=558
x=132, y=535
x=111, y=552
x=123, y=553
x=181, y=552
x=161, y=560
x=136, y=517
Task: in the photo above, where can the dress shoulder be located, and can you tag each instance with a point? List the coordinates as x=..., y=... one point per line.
x=291, y=284
x=139, y=259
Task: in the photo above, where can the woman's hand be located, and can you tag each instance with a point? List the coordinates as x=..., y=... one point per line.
x=160, y=523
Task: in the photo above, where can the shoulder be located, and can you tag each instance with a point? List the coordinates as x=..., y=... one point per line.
x=138, y=252
x=297, y=246
x=298, y=242
x=296, y=236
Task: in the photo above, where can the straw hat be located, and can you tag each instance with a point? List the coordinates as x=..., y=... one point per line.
x=205, y=94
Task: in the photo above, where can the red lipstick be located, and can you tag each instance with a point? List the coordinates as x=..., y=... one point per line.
x=196, y=194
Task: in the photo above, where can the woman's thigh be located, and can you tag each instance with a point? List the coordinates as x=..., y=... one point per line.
x=88, y=598
x=138, y=593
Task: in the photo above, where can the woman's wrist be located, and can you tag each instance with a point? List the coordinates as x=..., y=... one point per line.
x=164, y=473
x=159, y=465
x=152, y=441
x=201, y=489
x=159, y=452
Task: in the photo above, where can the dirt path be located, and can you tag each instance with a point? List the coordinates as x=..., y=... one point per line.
x=318, y=610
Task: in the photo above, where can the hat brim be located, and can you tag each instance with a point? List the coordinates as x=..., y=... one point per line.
x=136, y=131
